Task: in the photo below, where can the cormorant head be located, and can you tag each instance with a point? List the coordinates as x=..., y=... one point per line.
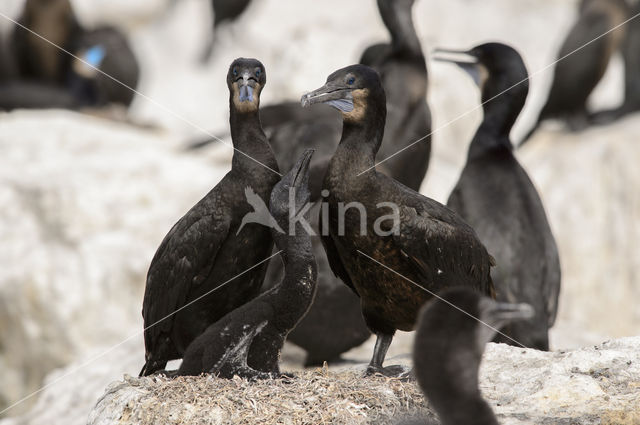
x=292, y=191
x=245, y=79
x=496, y=68
x=356, y=91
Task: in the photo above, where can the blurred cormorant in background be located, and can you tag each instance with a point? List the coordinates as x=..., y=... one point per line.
x=496, y=197
x=582, y=62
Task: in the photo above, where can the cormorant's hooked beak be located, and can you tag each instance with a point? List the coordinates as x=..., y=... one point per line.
x=465, y=60
x=508, y=311
x=333, y=94
x=246, y=85
x=301, y=169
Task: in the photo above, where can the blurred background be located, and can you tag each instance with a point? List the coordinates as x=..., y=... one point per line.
x=86, y=197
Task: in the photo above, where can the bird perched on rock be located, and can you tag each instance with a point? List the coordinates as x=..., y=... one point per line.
x=391, y=245
x=497, y=198
x=583, y=60
x=204, y=267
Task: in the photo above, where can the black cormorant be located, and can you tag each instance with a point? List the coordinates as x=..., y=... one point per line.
x=247, y=341
x=448, y=349
x=38, y=62
x=223, y=10
x=496, y=197
x=419, y=244
x=206, y=249
x=578, y=72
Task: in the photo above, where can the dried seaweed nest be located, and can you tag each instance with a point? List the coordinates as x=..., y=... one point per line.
x=312, y=397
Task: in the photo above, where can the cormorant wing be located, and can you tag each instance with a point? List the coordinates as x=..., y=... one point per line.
x=185, y=258
x=335, y=262
x=437, y=248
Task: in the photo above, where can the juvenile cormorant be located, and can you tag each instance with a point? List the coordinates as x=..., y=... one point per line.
x=420, y=244
x=496, y=197
x=204, y=249
x=578, y=72
x=448, y=349
x=39, y=62
x=247, y=341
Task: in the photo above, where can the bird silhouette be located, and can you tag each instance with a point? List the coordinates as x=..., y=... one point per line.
x=260, y=214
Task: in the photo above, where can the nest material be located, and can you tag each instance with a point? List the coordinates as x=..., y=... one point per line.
x=312, y=397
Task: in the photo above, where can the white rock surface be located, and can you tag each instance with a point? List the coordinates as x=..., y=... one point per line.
x=84, y=205
x=596, y=385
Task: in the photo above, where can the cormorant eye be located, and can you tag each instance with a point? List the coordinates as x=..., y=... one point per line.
x=351, y=80
x=258, y=72
x=235, y=72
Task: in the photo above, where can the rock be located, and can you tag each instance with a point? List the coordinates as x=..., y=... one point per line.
x=596, y=385
x=77, y=235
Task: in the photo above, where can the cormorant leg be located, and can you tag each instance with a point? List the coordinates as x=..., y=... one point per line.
x=383, y=341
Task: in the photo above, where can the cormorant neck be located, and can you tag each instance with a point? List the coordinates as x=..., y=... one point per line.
x=361, y=140
x=253, y=151
x=398, y=20
x=300, y=271
x=499, y=118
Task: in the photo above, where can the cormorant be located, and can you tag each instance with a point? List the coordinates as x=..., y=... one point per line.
x=247, y=341
x=448, y=349
x=391, y=245
x=82, y=90
x=204, y=250
x=39, y=62
x=334, y=324
x=223, y=10
x=496, y=197
x=578, y=72
x=631, y=56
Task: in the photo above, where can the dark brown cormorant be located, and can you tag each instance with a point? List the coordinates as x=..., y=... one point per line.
x=497, y=198
x=334, y=325
x=448, y=349
x=206, y=248
x=577, y=74
x=39, y=62
x=631, y=56
x=247, y=341
x=406, y=246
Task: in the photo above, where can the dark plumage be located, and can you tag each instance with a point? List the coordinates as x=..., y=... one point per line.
x=631, y=56
x=38, y=63
x=205, y=249
x=497, y=198
x=247, y=341
x=334, y=324
x=223, y=10
x=422, y=240
x=448, y=348
x=577, y=74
